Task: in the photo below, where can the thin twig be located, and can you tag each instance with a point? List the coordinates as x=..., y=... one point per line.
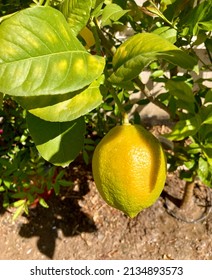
x=149, y=97
x=105, y=42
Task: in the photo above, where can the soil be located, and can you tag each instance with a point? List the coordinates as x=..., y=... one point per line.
x=79, y=225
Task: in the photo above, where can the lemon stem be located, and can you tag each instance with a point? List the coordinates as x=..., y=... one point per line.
x=125, y=119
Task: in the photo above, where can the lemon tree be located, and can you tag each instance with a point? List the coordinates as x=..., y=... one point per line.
x=73, y=66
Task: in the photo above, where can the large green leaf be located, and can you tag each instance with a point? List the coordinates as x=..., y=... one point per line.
x=77, y=13
x=57, y=142
x=39, y=55
x=73, y=108
x=139, y=50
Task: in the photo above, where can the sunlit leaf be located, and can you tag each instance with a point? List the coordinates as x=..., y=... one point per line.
x=194, y=148
x=156, y=11
x=96, y=3
x=73, y=108
x=168, y=33
x=19, y=203
x=205, y=172
x=207, y=25
x=141, y=49
x=198, y=16
x=77, y=13
x=112, y=12
x=57, y=142
x=19, y=211
x=39, y=55
x=43, y=203
x=63, y=108
x=185, y=128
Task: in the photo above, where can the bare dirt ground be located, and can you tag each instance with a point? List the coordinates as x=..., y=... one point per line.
x=79, y=225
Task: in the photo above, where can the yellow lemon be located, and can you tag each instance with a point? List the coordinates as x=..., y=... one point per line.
x=129, y=168
x=87, y=35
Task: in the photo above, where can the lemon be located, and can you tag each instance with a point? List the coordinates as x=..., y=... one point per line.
x=129, y=168
x=87, y=35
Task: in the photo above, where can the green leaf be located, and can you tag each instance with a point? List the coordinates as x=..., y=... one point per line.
x=18, y=203
x=206, y=114
x=20, y=195
x=156, y=11
x=167, y=33
x=77, y=13
x=141, y=49
x=57, y=142
x=85, y=156
x=180, y=90
x=73, y=108
x=190, y=164
x=206, y=25
x=197, y=16
x=187, y=175
x=39, y=55
x=112, y=12
x=65, y=183
x=208, y=120
x=97, y=8
x=56, y=109
x=96, y=3
x=194, y=148
x=205, y=132
x=207, y=149
x=205, y=172
x=208, y=96
x=43, y=203
x=19, y=211
x=185, y=128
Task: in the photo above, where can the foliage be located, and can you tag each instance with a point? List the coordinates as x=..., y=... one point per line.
x=25, y=178
x=72, y=68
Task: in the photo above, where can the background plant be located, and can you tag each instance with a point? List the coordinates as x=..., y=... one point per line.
x=72, y=67
x=26, y=179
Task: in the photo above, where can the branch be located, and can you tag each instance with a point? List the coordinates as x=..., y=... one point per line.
x=149, y=97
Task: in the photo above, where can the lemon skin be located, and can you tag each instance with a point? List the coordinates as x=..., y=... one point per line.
x=129, y=168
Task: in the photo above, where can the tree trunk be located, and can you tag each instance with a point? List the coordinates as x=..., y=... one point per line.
x=188, y=195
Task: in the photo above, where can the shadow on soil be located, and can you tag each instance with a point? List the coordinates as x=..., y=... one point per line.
x=64, y=214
